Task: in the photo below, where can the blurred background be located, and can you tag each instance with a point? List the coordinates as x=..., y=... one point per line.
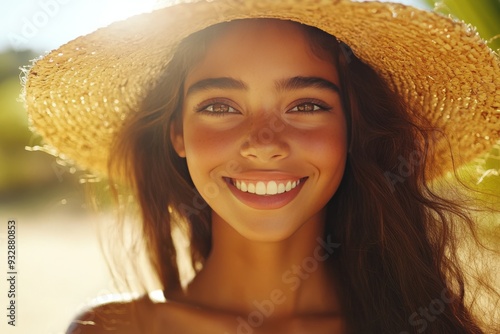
x=60, y=265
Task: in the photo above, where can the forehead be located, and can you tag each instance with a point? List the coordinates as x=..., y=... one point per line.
x=244, y=45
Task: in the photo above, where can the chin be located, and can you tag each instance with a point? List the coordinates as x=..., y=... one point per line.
x=267, y=231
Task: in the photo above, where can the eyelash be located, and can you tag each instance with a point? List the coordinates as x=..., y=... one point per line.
x=321, y=107
x=202, y=108
x=318, y=106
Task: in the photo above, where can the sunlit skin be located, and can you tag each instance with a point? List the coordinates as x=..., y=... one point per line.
x=261, y=106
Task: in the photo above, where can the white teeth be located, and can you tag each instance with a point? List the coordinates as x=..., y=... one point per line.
x=260, y=188
x=272, y=188
x=243, y=186
x=265, y=188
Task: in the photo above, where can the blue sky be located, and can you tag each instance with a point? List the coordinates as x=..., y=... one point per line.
x=43, y=25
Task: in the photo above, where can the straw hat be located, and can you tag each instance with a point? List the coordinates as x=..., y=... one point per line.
x=78, y=95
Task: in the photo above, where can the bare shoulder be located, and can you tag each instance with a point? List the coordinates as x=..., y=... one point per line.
x=118, y=316
x=150, y=315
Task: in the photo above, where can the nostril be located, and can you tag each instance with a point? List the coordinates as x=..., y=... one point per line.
x=264, y=150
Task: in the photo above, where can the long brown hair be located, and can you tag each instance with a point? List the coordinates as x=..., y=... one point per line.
x=399, y=249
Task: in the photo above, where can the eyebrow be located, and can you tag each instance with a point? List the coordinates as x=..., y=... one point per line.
x=216, y=83
x=306, y=82
x=293, y=83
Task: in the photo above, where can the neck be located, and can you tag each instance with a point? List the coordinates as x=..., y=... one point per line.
x=290, y=277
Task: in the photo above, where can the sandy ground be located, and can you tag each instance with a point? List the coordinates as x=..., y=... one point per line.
x=60, y=270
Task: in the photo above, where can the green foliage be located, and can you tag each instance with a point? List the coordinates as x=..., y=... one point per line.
x=22, y=173
x=10, y=61
x=13, y=118
x=482, y=14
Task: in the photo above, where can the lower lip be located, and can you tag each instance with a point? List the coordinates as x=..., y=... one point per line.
x=266, y=202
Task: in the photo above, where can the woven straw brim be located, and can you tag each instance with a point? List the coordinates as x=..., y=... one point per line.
x=79, y=95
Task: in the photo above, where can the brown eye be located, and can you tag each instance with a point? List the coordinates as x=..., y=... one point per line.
x=308, y=107
x=219, y=108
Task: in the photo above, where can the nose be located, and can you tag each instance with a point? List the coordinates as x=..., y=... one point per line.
x=265, y=143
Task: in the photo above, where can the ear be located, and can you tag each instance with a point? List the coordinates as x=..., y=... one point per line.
x=177, y=138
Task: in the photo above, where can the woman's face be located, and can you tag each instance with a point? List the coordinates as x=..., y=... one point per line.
x=263, y=130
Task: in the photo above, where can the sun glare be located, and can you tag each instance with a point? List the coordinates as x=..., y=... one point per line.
x=46, y=24
x=114, y=10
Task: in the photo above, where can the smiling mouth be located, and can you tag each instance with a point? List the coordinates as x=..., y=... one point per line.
x=266, y=188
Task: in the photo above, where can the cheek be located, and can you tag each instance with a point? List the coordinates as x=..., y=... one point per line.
x=200, y=140
x=207, y=149
x=329, y=151
x=327, y=147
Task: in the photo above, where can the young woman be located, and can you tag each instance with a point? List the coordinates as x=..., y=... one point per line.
x=300, y=173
